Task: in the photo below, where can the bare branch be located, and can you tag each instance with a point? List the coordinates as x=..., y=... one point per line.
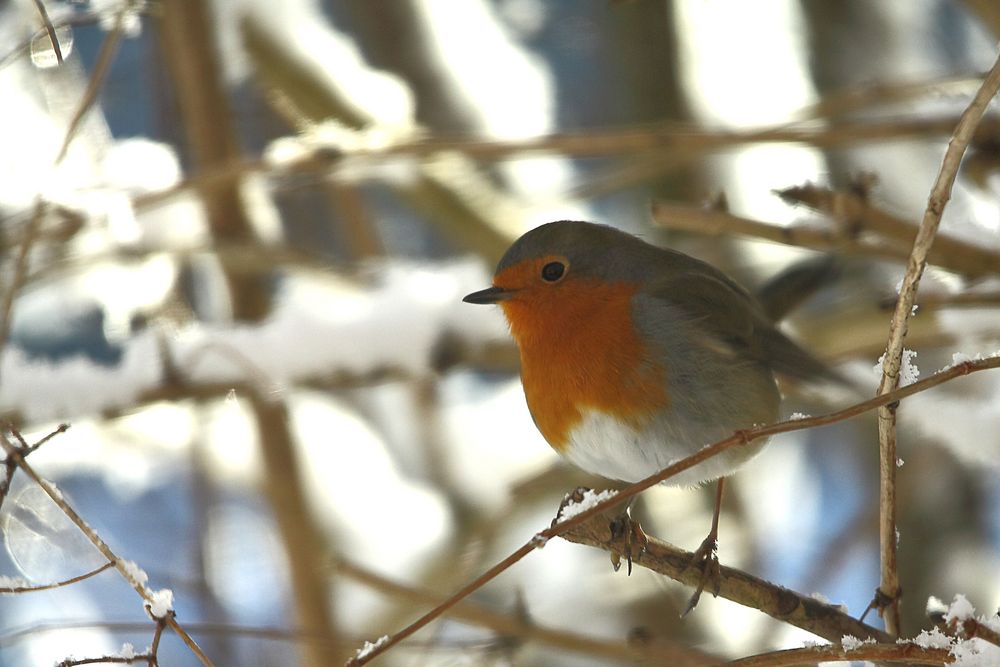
x=50, y=30
x=57, y=584
x=892, y=360
x=517, y=626
x=95, y=539
x=821, y=619
x=740, y=438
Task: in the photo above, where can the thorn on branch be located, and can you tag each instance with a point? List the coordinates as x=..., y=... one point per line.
x=881, y=601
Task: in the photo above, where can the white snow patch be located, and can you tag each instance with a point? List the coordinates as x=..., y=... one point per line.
x=960, y=610
x=135, y=573
x=932, y=638
x=127, y=651
x=369, y=647
x=590, y=498
x=13, y=582
x=162, y=603
x=852, y=643
x=935, y=606
x=908, y=371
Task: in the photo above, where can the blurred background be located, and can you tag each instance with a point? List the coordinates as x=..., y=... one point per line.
x=235, y=237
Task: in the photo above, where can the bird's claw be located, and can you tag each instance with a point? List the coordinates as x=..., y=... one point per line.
x=624, y=527
x=706, y=560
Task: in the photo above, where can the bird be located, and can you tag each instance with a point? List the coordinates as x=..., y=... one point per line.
x=635, y=356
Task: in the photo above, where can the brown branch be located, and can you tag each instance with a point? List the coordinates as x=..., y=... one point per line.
x=821, y=619
x=879, y=94
x=154, y=648
x=50, y=30
x=593, y=143
x=95, y=539
x=688, y=218
x=108, y=660
x=740, y=438
x=270, y=633
x=972, y=628
x=57, y=584
x=939, y=196
x=857, y=215
x=101, y=68
x=906, y=653
x=511, y=625
x=20, y=271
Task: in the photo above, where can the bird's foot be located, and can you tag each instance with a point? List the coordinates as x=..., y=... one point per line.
x=625, y=527
x=706, y=560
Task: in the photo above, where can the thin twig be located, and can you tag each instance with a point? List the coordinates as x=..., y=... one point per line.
x=511, y=625
x=57, y=584
x=592, y=143
x=105, y=660
x=101, y=68
x=20, y=271
x=689, y=218
x=740, y=438
x=154, y=648
x=95, y=539
x=939, y=196
x=104, y=58
x=50, y=29
x=857, y=215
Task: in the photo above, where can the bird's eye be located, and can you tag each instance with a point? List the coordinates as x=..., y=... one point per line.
x=553, y=271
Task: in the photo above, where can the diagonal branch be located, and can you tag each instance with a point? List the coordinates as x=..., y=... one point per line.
x=58, y=584
x=821, y=619
x=14, y=453
x=740, y=438
x=892, y=360
x=523, y=628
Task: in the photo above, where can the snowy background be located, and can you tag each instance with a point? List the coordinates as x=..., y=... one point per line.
x=244, y=287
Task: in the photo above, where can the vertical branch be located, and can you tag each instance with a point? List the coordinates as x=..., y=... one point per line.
x=889, y=589
x=189, y=48
x=190, y=52
x=50, y=30
x=306, y=549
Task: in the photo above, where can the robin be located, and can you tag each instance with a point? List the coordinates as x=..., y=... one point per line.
x=634, y=356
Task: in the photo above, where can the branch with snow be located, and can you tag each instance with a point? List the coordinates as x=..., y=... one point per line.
x=803, y=611
x=740, y=438
x=159, y=601
x=893, y=358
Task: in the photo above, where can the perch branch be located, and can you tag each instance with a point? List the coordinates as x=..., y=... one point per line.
x=821, y=619
x=739, y=438
x=906, y=653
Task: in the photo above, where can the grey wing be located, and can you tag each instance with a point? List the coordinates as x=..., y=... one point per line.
x=734, y=322
x=725, y=315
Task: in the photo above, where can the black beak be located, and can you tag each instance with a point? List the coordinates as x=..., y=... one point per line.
x=488, y=295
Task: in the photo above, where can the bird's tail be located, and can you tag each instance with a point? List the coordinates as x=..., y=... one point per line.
x=786, y=291
x=781, y=295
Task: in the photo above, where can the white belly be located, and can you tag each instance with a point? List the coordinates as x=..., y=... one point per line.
x=603, y=446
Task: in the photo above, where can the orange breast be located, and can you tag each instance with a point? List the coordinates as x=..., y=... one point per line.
x=580, y=352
